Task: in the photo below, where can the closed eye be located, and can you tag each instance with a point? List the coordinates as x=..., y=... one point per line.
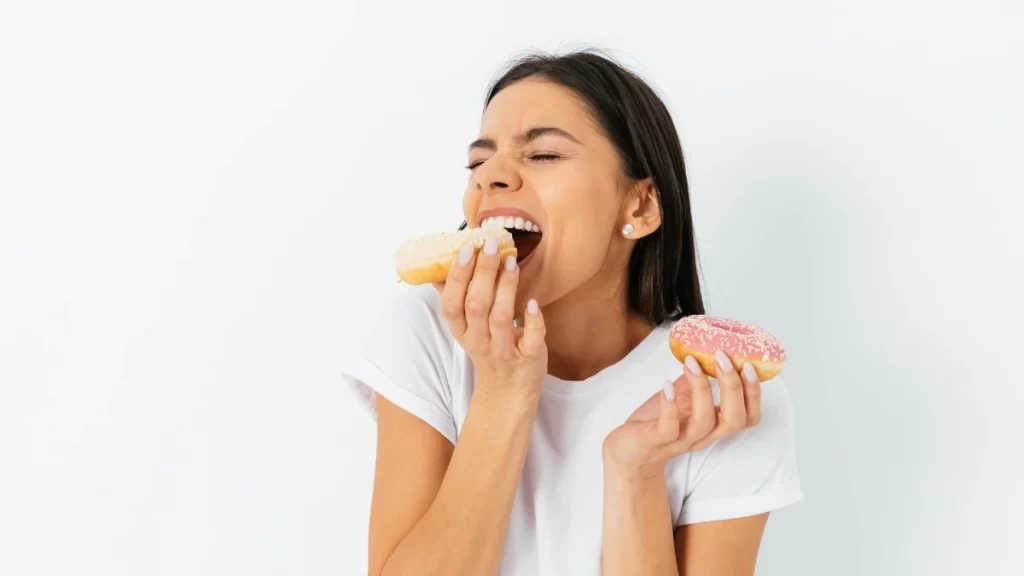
x=534, y=157
x=545, y=157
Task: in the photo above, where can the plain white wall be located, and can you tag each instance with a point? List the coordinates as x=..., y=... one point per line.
x=195, y=222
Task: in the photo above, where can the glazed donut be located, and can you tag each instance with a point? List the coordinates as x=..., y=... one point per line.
x=701, y=335
x=426, y=259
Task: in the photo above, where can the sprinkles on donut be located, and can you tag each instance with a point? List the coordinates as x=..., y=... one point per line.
x=701, y=335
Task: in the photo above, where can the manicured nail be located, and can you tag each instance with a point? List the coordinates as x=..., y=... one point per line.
x=670, y=390
x=491, y=246
x=693, y=366
x=723, y=362
x=510, y=263
x=749, y=374
x=532, y=306
x=466, y=253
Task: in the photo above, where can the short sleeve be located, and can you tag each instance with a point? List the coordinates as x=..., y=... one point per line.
x=749, y=473
x=408, y=359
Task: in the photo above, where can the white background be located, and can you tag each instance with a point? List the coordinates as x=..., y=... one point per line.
x=196, y=223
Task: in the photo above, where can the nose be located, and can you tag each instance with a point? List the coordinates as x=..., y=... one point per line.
x=497, y=175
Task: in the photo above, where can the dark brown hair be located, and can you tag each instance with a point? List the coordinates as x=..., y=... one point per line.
x=664, y=282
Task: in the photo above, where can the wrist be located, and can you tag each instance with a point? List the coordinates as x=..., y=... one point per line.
x=632, y=474
x=507, y=400
x=497, y=388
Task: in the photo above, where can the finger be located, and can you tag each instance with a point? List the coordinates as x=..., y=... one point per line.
x=684, y=396
x=503, y=309
x=732, y=402
x=731, y=415
x=752, y=394
x=480, y=295
x=651, y=409
x=707, y=440
x=668, y=420
x=453, y=297
x=532, y=341
x=702, y=414
x=439, y=286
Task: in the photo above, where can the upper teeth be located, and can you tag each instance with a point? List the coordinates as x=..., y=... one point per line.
x=513, y=222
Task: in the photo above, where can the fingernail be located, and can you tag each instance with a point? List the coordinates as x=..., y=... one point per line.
x=724, y=362
x=670, y=390
x=532, y=306
x=491, y=246
x=466, y=253
x=749, y=374
x=510, y=263
x=693, y=366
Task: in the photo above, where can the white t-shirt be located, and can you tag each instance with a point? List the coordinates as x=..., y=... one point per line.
x=555, y=526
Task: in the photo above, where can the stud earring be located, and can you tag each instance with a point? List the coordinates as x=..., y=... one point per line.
x=627, y=229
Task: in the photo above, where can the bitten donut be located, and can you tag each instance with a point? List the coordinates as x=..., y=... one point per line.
x=425, y=259
x=701, y=335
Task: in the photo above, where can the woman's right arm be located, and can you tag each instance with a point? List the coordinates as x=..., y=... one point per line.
x=436, y=510
x=439, y=508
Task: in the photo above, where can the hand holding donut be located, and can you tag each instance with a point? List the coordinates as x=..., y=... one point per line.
x=685, y=418
x=682, y=417
x=478, y=301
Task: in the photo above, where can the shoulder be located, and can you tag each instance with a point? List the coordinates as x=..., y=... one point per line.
x=776, y=426
x=409, y=358
x=412, y=316
x=768, y=444
x=750, y=472
x=414, y=304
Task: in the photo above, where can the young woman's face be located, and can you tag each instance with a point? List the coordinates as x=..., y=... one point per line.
x=541, y=158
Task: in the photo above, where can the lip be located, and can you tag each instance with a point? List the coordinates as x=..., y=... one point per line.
x=507, y=211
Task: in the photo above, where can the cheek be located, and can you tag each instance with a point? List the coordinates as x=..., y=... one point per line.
x=585, y=209
x=581, y=200
x=583, y=244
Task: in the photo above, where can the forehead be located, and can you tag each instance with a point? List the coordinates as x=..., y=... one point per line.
x=535, y=102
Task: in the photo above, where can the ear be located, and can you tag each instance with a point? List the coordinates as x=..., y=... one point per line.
x=641, y=210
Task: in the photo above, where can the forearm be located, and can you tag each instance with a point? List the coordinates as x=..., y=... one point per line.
x=637, y=536
x=464, y=530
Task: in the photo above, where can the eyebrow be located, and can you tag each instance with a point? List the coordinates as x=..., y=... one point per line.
x=528, y=136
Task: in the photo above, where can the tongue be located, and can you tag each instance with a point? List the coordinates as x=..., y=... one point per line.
x=525, y=243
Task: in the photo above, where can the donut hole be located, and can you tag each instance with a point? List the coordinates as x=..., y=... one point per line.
x=727, y=326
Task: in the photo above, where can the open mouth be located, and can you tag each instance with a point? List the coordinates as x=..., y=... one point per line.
x=526, y=243
x=525, y=233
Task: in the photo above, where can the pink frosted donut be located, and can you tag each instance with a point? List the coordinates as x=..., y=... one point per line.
x=701, y=335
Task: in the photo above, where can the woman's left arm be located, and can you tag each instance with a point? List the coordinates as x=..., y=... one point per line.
x=637, y=526
x=638, y=537
x=725, y=547
x=637, y=531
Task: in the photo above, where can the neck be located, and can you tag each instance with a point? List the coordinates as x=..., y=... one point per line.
x=590, y=329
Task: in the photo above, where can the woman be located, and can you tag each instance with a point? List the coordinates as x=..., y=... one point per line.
x=531, y=417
